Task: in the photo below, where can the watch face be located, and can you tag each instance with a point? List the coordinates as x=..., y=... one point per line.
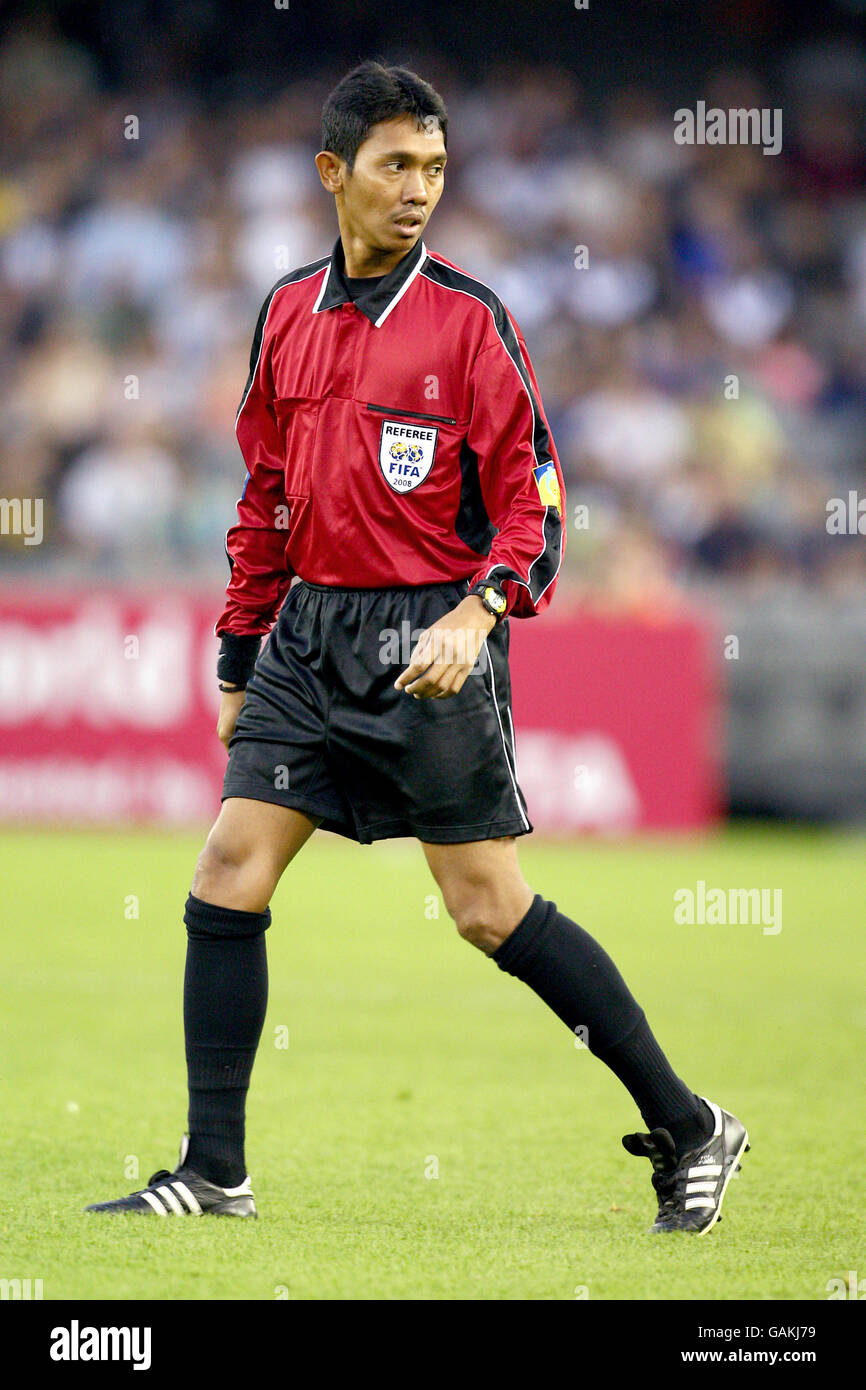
x=496, y=600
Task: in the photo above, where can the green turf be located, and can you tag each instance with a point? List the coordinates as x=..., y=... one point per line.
x=408, y=1046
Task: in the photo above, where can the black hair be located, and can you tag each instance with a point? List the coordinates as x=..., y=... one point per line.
x=374, y=92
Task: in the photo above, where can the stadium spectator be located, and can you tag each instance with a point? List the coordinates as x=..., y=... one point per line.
x=703, y=370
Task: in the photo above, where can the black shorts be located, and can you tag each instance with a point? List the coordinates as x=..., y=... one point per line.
x=323, y=730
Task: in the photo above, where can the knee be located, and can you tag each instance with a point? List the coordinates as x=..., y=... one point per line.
x=486, y=910
x=220, y=857
x=478, y=920
x=229, y=872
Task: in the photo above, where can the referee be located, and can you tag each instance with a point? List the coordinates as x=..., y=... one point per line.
x=401, y=472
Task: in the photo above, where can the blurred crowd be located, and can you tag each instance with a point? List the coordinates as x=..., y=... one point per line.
x=702, y=364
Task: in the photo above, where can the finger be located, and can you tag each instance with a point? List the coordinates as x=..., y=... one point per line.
x=444, y=686
x=460, y=680
x=412, y=673
x=432, y=648
x=424, y=691
x=417, y=666
x=447, y=683
x=417, y=671
x=428, y=683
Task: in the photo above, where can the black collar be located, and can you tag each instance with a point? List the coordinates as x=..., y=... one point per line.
x=377, y=305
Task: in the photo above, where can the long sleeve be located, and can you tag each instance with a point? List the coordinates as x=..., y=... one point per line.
x=256, y=544
x=520, y=475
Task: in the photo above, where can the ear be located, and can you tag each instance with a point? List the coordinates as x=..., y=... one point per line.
x=331, y=170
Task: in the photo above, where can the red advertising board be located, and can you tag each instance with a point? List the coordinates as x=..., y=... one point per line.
x=617, y=722
x=108, y=705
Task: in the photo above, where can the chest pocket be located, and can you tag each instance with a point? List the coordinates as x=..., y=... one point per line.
x=297, y=419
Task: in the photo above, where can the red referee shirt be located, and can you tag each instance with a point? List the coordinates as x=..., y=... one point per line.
x=398, y=441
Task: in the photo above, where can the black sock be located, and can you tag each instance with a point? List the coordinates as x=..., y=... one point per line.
x=225, y=995
x=664, y=1101
x=577, y=979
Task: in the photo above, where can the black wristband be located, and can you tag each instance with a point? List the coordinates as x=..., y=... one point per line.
x=237, y=658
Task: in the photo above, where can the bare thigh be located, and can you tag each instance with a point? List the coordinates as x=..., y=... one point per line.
x=248, y=849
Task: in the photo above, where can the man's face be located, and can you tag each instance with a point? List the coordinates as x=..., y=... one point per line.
x=395, y=184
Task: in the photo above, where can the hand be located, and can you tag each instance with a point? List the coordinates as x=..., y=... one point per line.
x=230, y=708
x=445, y=653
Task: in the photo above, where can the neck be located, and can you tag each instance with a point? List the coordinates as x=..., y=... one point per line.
x=363, y=260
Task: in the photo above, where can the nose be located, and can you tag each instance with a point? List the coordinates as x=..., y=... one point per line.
x=414, y=190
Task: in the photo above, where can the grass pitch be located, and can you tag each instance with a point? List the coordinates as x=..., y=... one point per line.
x=430, y=1130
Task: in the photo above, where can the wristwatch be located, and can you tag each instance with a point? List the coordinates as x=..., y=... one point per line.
x=493, y=598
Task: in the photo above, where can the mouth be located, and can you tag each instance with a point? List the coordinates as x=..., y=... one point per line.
x=409, y=223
